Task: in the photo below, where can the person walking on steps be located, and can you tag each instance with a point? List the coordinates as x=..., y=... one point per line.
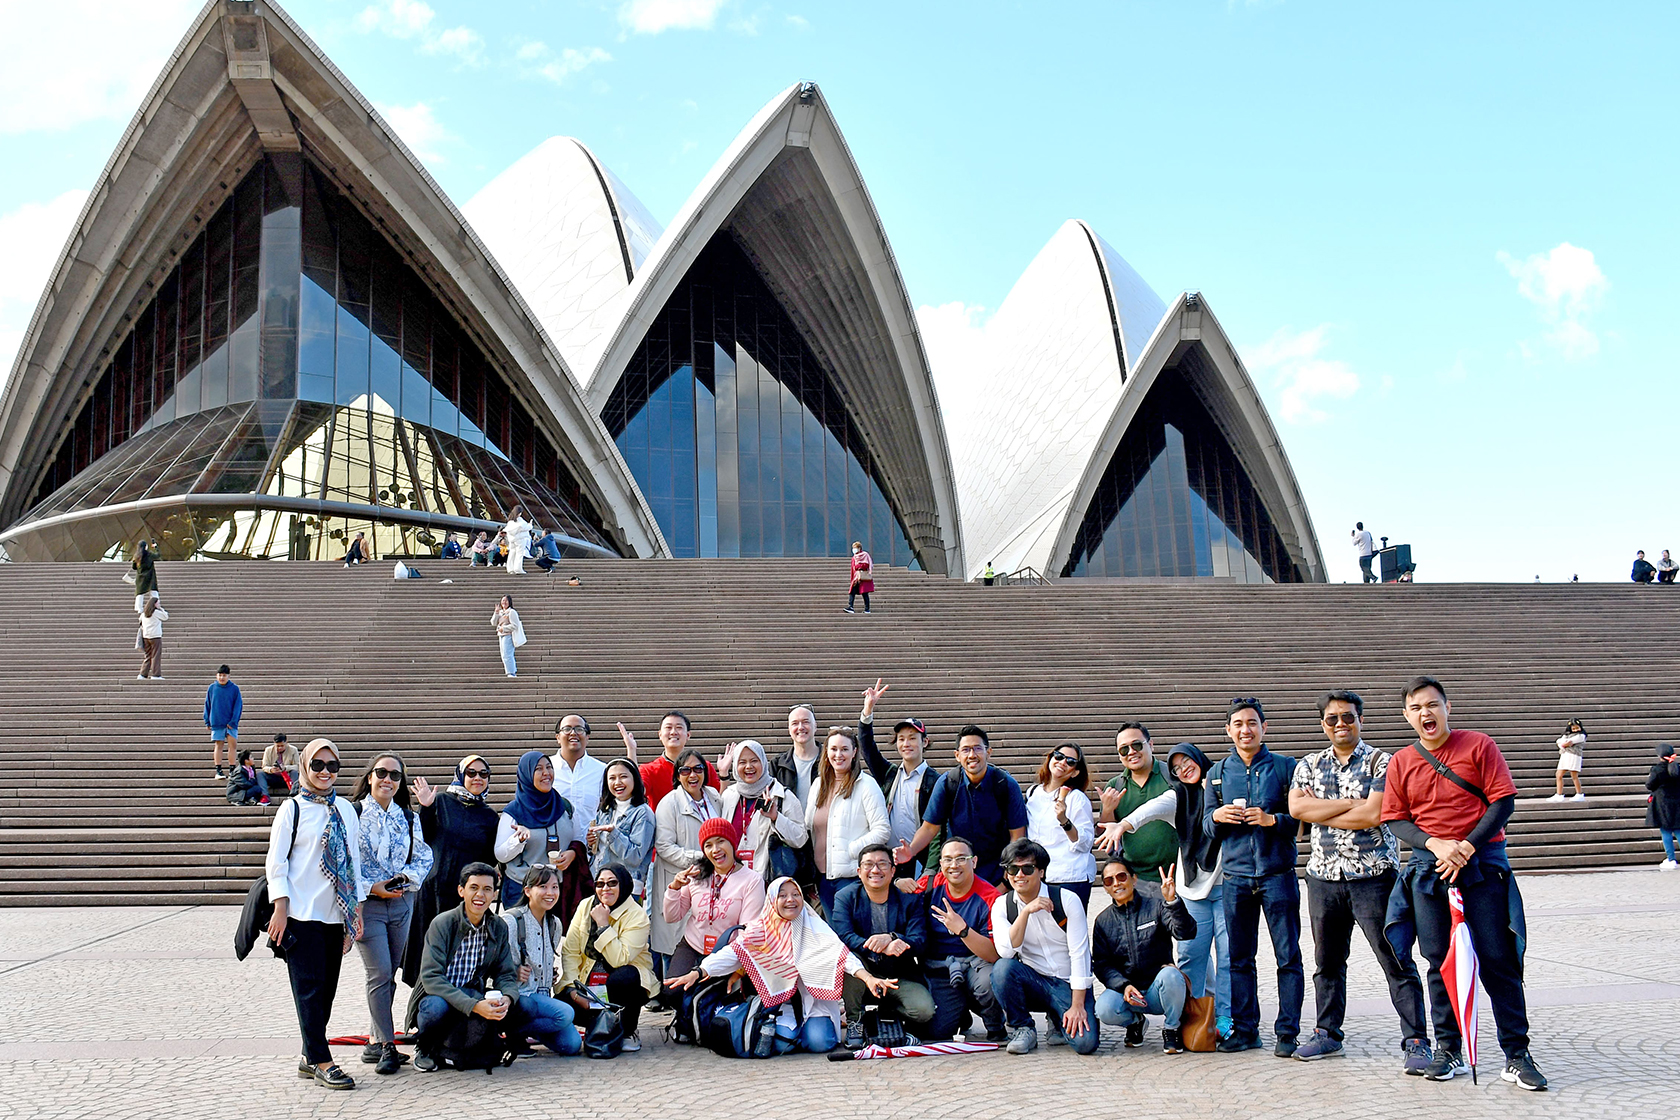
x=152, y=618
x=223, y=705
x=145, y=575
x=510, y=633
x=1572, y=746
x=518, y=532
x=863, y=578
x=1366, y=548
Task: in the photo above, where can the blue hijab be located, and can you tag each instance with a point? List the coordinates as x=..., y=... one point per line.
x=529, y=806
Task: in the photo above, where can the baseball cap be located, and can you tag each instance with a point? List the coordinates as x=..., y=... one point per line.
x=921, y=728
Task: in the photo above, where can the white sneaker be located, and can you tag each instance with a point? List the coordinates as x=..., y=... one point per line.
x=141, y=677
x=632, y=1042
x=1555, y=797
x=1579, y=797
x=1668, y=865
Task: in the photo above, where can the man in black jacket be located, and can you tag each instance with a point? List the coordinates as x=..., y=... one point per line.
x=1132, y=952
x=887, y=930
x=908, y=784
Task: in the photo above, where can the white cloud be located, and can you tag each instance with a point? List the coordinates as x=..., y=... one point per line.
x=541, y=62
x=954, y=335
x=1291, y=362
x=1566, y=284
x=650, y=17
x=799, y=23
x=31, y=237
x=412, y=19
x=418, y=127
x=98, y=76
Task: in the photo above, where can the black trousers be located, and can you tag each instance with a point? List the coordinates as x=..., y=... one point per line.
x=1334, y=908
x=1487, y=911
x=624, y=988
x=851, y=600
x=312, y=963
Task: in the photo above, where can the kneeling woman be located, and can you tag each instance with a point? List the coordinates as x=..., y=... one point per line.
x=535, y=932
x=607, y=947
x=789, y=949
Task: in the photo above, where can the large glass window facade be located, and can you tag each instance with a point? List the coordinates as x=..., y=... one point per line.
x=1174, y=501
x=735, y=434
x=290, y=294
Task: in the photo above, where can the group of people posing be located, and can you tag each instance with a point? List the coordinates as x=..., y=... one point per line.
x=848, y=889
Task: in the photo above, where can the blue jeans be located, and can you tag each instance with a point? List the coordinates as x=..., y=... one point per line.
x=1022, y=990
x=1209, y=913
x=549, y=1021
x=1279, y=898
x=508, y=663
x=1668, y=835
x=430, y=1012
x=1164, y=997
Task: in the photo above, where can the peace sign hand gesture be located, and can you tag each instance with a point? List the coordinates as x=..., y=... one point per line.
x=1169, y=892
x=871, y=695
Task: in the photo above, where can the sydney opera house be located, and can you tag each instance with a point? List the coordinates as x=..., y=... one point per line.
x=270, y=330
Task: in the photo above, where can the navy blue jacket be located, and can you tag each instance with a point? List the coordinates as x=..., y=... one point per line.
x=1249, y=849
x=223, y=705
x=854, y=922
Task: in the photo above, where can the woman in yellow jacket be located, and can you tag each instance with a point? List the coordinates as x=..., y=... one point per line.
x=607, y=947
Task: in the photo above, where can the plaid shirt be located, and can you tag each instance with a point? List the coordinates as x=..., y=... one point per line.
x=1347, y=853
x=463, y=969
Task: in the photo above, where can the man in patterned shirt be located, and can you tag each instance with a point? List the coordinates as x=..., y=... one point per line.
x=1350, y=871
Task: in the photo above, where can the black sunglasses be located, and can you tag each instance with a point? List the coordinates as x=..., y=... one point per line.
x=475, y=773
x=1132, y=748
x=329, y=765
x=1058, y=756
x=392, y=775
x=603, y=884
x=1332, y=718
x=692, y=770
x=1022, y=868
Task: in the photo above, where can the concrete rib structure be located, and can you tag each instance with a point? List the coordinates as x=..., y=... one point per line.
x=247, y=91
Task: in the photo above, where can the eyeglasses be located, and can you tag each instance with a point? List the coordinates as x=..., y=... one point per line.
x=1064, y=759
x=475, y=772
x=324, y=765
x=1116, y=880
x=1332, y=718
x=573, y=729
x=875, y=865
x=1022, y=868
x=1131, y=748
x=383, y=774
x=954, y=861
x=691, y=770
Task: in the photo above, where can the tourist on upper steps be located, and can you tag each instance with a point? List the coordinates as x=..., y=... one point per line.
x=1572, y=745
x=518, y=531
x=314, y=875
x=1366, y=548
x=622, y=831
x=1667, y=568
x=460, y=828
x=1449, y=798
x=845, y=812
x=394, y=862
x=1059, y=818
x=279, y=773
x=1663, y=813
x=152, y=618
x=359, y=551
x=223, y=705
x=676, y=843
x=481, y=550
x=244, y=786
x=539, y=826
x=451, y=549
x=1643, y=571
x=863, y=578
x=144, y=566
x=1247, y=810
x=1351, y=870
x=510, y=633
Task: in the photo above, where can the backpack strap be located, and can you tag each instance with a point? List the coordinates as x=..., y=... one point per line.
x=519, y=924
x=1450, y=774
x=1058, y=910
x=297, y=816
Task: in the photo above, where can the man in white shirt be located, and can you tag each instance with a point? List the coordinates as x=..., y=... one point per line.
x=908, y=784
x=577, y=776
x=1367, y=548
x=1044, y=955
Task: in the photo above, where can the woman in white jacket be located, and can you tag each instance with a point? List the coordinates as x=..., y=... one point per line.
x=760, y=807
x=676, y=841
x=845, y=812
x=518, y=532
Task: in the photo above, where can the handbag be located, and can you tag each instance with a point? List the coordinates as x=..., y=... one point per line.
x=1201, y=1033
x=128, y=577
x=605, y=1036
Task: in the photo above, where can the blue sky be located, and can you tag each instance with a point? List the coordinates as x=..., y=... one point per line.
x=1441, y=234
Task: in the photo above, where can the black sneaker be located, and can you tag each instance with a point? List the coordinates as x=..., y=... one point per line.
x=389, y=1060
x=1233, y=1043
x=1134, y=1032
x=334, y=1078
x=1172, y=1040
x=848, y=610
x=1285, y=1048
x=855, y=1038
x=372, y=1052
x=1445, y=1066
x=1521, y=1071
x=425, y=1063
x=1417, y=1056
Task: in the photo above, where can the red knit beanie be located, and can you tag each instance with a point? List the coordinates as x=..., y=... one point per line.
x=720, y=826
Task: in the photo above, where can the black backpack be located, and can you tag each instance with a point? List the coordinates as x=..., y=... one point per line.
x=700, y=1003
x=476, y=1043
x=1012, y=909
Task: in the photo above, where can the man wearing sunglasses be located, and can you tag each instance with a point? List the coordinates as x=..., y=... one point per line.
x=1132, y=954
x=1351, y=870
x=1246, y=808
x=1142, y=779
x=1044, y=946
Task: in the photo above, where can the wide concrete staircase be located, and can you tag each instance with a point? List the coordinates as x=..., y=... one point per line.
x=106, y=792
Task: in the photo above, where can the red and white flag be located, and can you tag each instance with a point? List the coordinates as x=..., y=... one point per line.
x=1460, y=972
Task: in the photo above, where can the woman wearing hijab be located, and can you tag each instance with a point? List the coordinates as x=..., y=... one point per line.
x=676, y=840
x=459, y=826
x=622, y=831
x=788, y=949
x=606, y=949
x=760, y=808
x=1199, y=879
x=313, y=878
x=394, y=862
x=536, y=827
x=518, y=532
x=712, y=896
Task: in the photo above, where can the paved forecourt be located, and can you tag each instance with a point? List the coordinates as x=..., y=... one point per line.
x=145, y=1012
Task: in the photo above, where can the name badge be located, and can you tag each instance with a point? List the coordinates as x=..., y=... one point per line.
x=745, y=855
x=711, y=943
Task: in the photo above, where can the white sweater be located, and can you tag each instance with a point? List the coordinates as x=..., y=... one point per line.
x=152, y=626
x=854, y=823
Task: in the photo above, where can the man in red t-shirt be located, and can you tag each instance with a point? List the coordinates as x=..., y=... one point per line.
x=1449, y=796
x=660, y=775
x=960, y=951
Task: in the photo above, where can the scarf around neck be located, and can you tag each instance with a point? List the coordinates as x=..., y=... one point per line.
x=458, y=788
